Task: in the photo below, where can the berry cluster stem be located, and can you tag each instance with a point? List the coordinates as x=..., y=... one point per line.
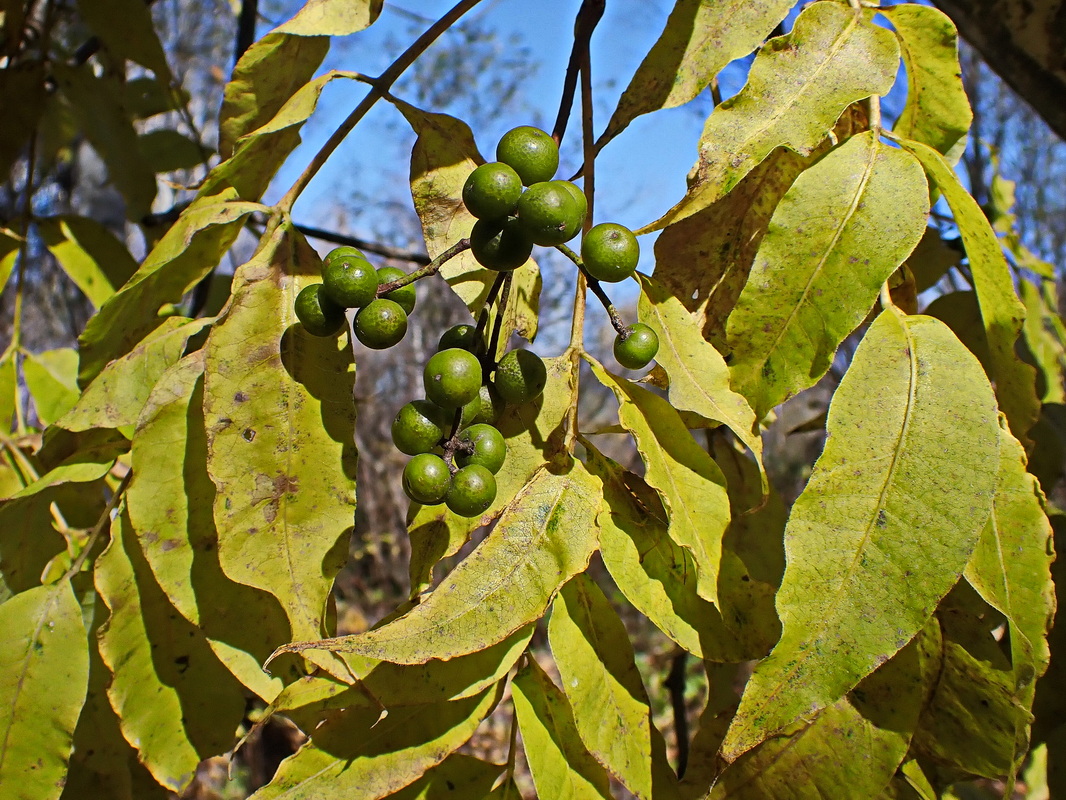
x=597, y=289
x=432, y=268
x=488, y=361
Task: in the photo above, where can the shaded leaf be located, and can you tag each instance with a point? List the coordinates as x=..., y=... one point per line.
x=937, y=112
x=961, y=312
x=542, y=540
x=1001, y=310
x=690, y=484
x=280, y=422
x=126, y=29
x=931, y=259
x=51, y=378
x=22, y=96
x=44, y=664
x=166, y=150
x=910, y=468
x=600, y=679
x=797, y=88
x=858, y=212
x=1045, y=346
x=89, y=253
x=561, y=766
x=459, y=776
x=176, y=703
x=349, y=753
x=698, y=41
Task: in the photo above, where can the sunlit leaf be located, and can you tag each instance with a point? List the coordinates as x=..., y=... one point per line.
x=332, y=18
x=698, y=41
x=280, y=418
x=90, y=255
x=797, y=88
x=691, y=485
x=1046, y=347
x=937, y=112
x=858, y=213
x=351, y=756
x=600, y=679
x=176, y=703
x=1001, y=310
x=561, y=765
x=51, y=378
x=908, y=467
x=126, y=29
x=542, y=540
x=44, y=671
x=458, y=776
x=961, y=312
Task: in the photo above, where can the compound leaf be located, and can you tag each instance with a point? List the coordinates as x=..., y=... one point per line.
x=907, y=467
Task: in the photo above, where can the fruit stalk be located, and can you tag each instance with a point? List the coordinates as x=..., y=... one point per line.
x=432, y=268
x=617, y=322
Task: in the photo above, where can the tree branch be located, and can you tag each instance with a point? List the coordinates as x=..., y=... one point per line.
x=588, y=16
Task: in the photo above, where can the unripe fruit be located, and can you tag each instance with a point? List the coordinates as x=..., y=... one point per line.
x=550, y=214
x=419, y=426
x=492, y=405
x=637, y=349
x=531, y=152
x=490, y=450
x=610, y=252
x=520, y=376
x=349, y=281
x=426, y=479
x=319, y=315
x=501, y=245
x=380, y=324
x=344, y=251
x=492, y=190
x=472, y=491
x=578, y=195
x=452, y=378
x=463, y=336
x=405, y=295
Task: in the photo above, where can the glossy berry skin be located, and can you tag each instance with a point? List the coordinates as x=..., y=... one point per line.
x=491, y=407
x=405, y=296
x=492, y=190
x=344, y=251
x=490, y=450
x=550, y=214
x=381, y=324
x=610, y=252
x=426, y=479
x=575, y=191
x=418, y=427
x=349, y=281
x=530, y=152
x=319, y=315
x=472, y=491
x=452, y=378
x=636, y=350
x=501, y=245
x=520, y=376
x=463, y=336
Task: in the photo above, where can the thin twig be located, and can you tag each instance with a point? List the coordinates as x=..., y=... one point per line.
x=105, y=518
x=501, y=309
x=245, y=28
x=429, y=269
x=385, y=250
x=597, y=289
x=388, y=77
x=588, y=16
x=675, y=682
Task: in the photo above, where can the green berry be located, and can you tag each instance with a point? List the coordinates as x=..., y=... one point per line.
x=492, y=190
x=419, y=426
x=550, y=214
x=577, y=194
x=610, y=252
x=472, y=491
x=463, y=336
x=319, y=315
x=637, y=347
x=501, y=245
x=380, y=324
x=426, y=479
x=489, y=447
x=349, y=281
x=405, y=295
x=344, y=251
x=531, y=152
x=520, y=376
x=491, y=407
x=452, y=378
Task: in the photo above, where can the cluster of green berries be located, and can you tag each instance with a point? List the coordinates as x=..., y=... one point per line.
x=350, y=281
x=451, y=434
x=518, y=204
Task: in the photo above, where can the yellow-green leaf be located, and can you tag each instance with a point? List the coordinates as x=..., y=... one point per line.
x=44, y=671
x=797, y=88
x=126, y=29
x=842, y=229
x=167, y=150
x=600, y=678
x=562, y=768
x=354, y=755
x=690, y=484
x=170, y=502
x=699, y=39
x=52, y=379
x=937, y=112
x=176, y=703
x=458, y=776
x=542, y=540
x=699, y=377
x=280, y=420
x=1001, y=310
x=1043, y=341
x=332, y=18
x=90, y=255
x=909, y=467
